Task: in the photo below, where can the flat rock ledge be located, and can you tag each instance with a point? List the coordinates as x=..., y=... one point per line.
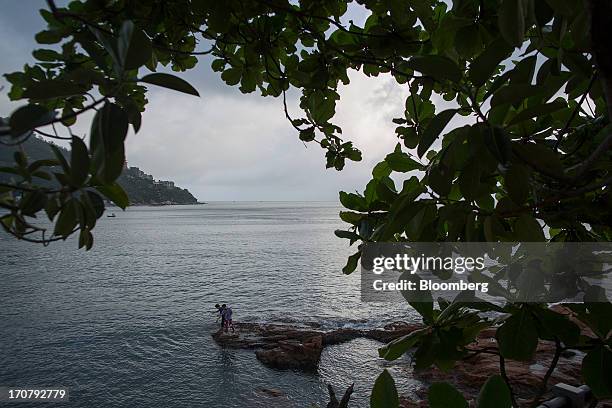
x=288, y=346
x=285, y=346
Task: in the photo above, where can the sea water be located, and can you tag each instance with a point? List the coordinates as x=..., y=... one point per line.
x=129, y=323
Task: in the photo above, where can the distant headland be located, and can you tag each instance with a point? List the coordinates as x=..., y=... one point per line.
x=141, y=187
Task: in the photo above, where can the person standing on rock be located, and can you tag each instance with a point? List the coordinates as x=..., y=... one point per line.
x=227, y=315
x=221, y=315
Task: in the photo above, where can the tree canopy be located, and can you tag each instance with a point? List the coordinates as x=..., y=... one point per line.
x=532, y=80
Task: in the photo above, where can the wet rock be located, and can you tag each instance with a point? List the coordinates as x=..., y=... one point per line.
x=470, y=374
x=293, y=354
x=341, y=336
x=391, y=332
x=385, y=335
x=272, y=392
x=269, y=398
x=284, y=346
x=409, y=403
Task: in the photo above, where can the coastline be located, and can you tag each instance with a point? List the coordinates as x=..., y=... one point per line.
x=293, y=347
x=155, y=204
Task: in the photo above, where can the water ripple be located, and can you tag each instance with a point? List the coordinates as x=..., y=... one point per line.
x=128, y=324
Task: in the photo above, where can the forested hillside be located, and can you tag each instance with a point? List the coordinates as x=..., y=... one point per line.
x=140, y=187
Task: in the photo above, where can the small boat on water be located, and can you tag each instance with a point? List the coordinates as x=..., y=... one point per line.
x=111, y=215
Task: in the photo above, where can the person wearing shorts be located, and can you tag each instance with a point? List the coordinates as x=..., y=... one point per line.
x=220, y=311
x=227, y=315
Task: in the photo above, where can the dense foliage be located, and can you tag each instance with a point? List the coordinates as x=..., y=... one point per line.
x=532, y=80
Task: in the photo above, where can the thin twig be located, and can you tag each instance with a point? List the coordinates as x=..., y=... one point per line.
x=60, y=15
x=585, y=165
x=502, y=369
x=575, y=112
x=549, y=372
x=175, y=51
x=40, y=132
x=74, y=114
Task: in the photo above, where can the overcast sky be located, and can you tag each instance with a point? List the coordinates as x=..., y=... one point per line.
x=226, y=145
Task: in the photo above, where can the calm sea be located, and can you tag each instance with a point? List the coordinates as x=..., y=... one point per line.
x=128, y=324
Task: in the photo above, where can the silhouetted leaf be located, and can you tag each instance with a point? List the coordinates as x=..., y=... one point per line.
x=493, y=229
x=46, y=55
x=115, y=193
x=346, y=234
x=528, y=229
x=596, y=369
x=401, y=162
x=307, y=135
x=563, y=7
x=79, y=162
x=353, y=201
x=543, y=12
x=351, y=263
x=49, y=37
x=539, y=157
x=556, y=325
x=469, y=180
x=60, y=158
x=133, y=46
x=396, y=348
x=515, y=93
x=96, y=202
x=51, y=89
x=420, y=300
x=29, y=117
x=351, y=217
x=518, y=336
x=108, y=132
x=537, y=111
x=232, y=75
x=517, y=183
x=384, y=393
x=444, y=395
x=485, y=64
x=381, y=170
x=67, y=219
x=495, y=394
x=440, y=179
x=433, y=130
x=170, y=82
x=511, y=19
x=32, y=202
x=436, y=66
x=85, y=239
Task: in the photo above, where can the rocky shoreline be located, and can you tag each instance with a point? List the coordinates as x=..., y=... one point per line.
x=290, y=347
x=284, y=346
